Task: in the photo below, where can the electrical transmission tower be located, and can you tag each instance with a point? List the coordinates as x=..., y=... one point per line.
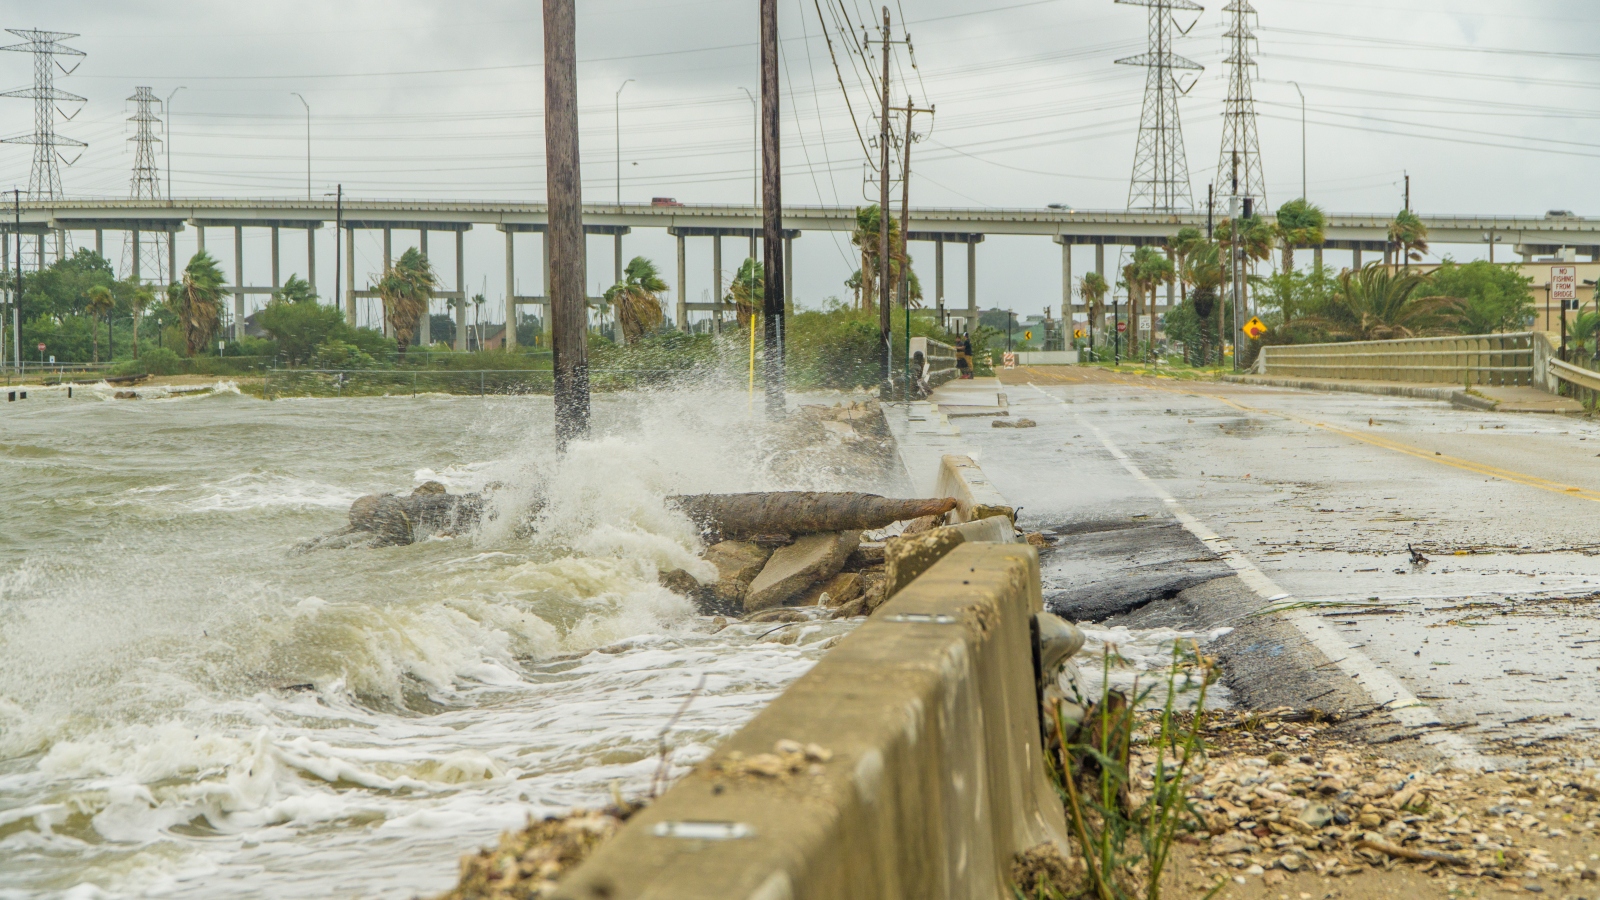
x=44, y=179
x=1160, y=166
x=146, y=184
x=1241, y=151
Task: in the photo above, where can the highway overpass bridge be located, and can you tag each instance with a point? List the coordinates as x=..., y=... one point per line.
x=1358, y=233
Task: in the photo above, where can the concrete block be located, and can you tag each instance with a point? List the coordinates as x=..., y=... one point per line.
x=934, y=777
x=793, y=568
x=907, y=557
x=975, y=497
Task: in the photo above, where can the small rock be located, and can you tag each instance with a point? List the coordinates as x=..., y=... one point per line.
x=1254, y=870
x=1027, y=423
x=769, y=764
x=125, y=395
x=1369, y=820
x=1290, y=862
x=1230, y=843
x=787, y=746
x=818, y=753
x=1277, y=758
x=1371, y=789
x=1317, y=815
x=1273, y=879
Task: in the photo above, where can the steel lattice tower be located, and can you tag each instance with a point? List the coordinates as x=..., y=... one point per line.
x=1239, y=143
x=146, y=183
x=1160, y=165
x=44, y=179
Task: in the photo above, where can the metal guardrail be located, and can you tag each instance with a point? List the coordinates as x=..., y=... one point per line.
x=1574, y=375
x=1489, y=359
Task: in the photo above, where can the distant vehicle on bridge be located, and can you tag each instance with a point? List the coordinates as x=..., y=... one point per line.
x=664, y=201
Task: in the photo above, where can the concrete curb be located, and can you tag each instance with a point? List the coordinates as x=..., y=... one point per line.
x=1418, y=392
x=1464, y=400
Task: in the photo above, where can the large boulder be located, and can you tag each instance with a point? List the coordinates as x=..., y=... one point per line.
x=797, y=566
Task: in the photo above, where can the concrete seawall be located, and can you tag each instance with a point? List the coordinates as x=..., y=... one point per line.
x=933, y=778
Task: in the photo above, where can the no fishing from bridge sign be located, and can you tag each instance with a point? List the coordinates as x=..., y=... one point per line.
x=1564, y=286
x=1255, y=328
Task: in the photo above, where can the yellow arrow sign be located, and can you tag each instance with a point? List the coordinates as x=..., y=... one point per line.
x=1077, y=333
x=1027, y=335
x=1255, y=328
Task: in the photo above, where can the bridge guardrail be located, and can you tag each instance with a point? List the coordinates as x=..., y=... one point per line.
x=1488, y=359
x=941, y=359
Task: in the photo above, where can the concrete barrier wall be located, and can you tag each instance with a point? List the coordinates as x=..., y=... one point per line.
x=935, y=779
x=975, y=497
x=1492, y=359
x=1047, y=357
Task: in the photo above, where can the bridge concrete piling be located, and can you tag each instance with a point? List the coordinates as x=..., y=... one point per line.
x=136, y=273
x=238, y=282
x=511, y=292
x=350, y=277
x=172, y=259
x=425, y=327
x=461, y=291
x=716, y=275
x=972, y=284
x=100, y=243
x=683, y=286
x=388, y=260
x=617, y=258
x=277, y=258
x=311, y=257
x=938, y=276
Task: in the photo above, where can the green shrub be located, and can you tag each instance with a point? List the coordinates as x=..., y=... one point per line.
x=158, y=361
x=336, y=354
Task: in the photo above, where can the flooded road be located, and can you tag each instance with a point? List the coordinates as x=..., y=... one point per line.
x=1494, y=629
x=189, y=708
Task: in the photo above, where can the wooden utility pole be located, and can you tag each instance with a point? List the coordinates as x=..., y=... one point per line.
x=772, y=299
x=885, y=329
x=909, y=109
x=569, y=311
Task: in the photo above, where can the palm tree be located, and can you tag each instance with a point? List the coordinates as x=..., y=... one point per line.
x=1185, y=242
x=99, y=306
x=636, y=300
x=867, y=237
x=749, y=284
x=1582, y=329
x=1300, y=224
x=1256, y=240
x=406, y=289
x=1203, y=268
x=1093, y=288
x=1133, y=282
x=1146, y=270
x=1408, y=232
x=1375, y=303
x=198, y=301
x=140, y=299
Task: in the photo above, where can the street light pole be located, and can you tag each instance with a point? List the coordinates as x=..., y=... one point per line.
x=618, y=113
x=755, y=150
x=308, y=142
x=1303, y=192
x=169, y=140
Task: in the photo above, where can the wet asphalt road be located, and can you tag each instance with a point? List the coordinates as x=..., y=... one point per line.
x=1495, y=636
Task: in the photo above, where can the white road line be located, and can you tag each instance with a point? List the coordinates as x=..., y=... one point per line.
x=1384, y=689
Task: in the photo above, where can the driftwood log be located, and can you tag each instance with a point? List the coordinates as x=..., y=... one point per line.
x=800, y=512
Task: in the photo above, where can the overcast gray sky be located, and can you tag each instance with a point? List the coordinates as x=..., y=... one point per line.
x=1490, y=106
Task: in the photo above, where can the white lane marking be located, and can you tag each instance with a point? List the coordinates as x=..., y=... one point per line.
x=1384, y=689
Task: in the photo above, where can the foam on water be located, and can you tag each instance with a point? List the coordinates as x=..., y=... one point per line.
x=189, y=709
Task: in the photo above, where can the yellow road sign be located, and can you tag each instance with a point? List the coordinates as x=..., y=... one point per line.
x=1254, y=328
x=1078, y=333
x=1027, y=335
